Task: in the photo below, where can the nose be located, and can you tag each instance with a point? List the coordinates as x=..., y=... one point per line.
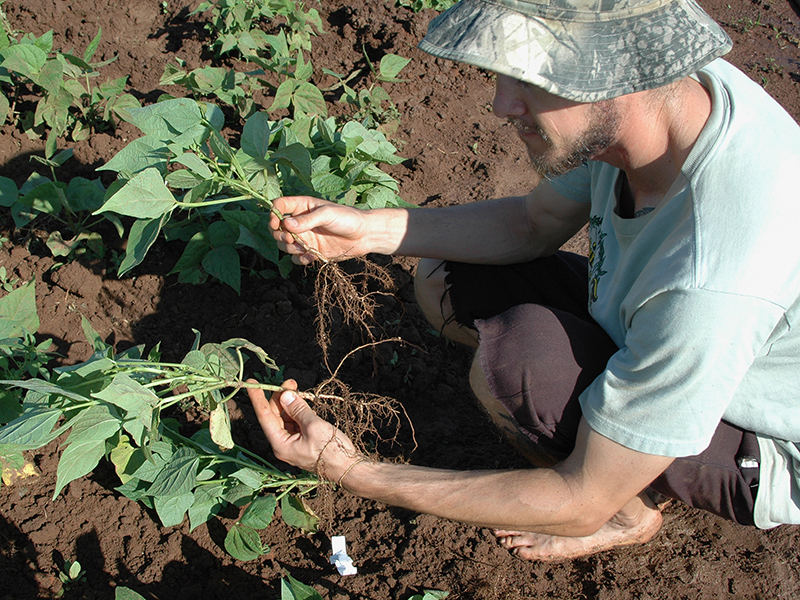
x=507, y=102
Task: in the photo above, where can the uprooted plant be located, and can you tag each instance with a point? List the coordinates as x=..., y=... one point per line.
x=223, y=196
x=119, y=405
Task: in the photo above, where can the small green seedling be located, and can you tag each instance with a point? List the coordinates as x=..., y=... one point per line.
x=70, y=575
x=430, y=595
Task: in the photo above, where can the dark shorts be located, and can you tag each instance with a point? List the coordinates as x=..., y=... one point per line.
x=540, y=349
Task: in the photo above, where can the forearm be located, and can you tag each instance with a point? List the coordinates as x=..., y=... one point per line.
x=538, y=500
x=489, y=232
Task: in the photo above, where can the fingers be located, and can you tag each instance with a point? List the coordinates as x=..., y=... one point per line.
x=297, y=211
x=296, y=408
x=270, y=414
x=267, y=413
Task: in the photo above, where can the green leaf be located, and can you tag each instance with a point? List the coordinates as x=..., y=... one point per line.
x=308, y=100
x=45, y=388
x=8, y=191
x=430, y=595
x=178, y=476
x=220, y=146
x=194, y=251
x=47, y=198
x=243, y=543
x=142, y=153
x=18, y=316
x=249, y=477
x=221, y=233
x=223, y=263
x=94, y=339
x=260, y=512
x=390, y=66
x=77, y=460
x=171, y=510
x=129, y=395
x=255, y=139
x=298, y=158
x=93, y=424
x=240, y=494
x=169, y=120
x=207, y=503
x=195, y=164
x=283, y=95
x=143, y=235
x=144, y=197
x=259, y=240
x=183, y=179
x=25, y=59
x=32, y=430
x=4, y=108
x=123, y=593
x=10, y=407
x=291, y=589
x=213, y=114
x=160, y=454
x=296, y=514
x=84, y=195
x=92, y=47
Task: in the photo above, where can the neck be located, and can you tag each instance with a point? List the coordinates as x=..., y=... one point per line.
x=658, y=131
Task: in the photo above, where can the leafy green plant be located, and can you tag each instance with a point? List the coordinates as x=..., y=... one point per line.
x=227, y=85
x=183, y=177
x=68, y=204
x=418, y=5
x=71, y=574
x=745, y=24
x=6, y=284
x=369, y=102
x=68, y=104
x=235, y=24
x=20, y=354
x=117, y=406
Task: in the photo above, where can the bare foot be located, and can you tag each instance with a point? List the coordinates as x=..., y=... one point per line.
x=638, y=522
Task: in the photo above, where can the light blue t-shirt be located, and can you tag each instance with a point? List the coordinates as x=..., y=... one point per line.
x=702, y=295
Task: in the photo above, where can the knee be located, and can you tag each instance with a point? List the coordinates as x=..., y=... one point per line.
x=429, y=289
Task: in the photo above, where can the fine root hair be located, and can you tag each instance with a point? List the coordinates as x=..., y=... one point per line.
x=354, y=295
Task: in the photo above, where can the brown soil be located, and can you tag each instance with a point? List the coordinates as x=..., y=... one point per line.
x=456, y=152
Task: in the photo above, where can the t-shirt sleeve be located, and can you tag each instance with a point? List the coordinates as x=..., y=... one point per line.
x=575, y=185
x=685, y=353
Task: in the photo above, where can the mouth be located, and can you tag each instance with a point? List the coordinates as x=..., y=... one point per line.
x=525, y=128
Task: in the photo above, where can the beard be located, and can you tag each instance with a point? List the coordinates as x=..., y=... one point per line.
x=560, y=158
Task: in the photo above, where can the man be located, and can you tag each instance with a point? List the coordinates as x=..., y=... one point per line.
x=668, y=362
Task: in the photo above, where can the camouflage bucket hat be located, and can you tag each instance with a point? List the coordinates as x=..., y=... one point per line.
x=582, y=50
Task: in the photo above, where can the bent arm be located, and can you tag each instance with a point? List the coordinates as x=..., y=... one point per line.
x=574, y=498
x=500, y=231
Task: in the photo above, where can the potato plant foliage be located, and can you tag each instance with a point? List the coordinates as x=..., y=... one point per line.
x=67, y=104
x=114, y=406
x=184, y=179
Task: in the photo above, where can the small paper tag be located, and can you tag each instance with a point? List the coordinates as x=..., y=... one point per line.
x=339, y=558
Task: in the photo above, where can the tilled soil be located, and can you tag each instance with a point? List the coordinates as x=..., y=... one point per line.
x=456, y=152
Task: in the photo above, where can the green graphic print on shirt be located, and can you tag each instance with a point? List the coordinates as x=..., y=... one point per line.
x=597, y=255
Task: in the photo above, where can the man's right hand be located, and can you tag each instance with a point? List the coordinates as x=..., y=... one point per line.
x=333, y=230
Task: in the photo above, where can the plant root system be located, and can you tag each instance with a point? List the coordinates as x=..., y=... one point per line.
x=354, y=295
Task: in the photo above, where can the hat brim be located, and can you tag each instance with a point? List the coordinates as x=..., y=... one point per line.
x=579, y=59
